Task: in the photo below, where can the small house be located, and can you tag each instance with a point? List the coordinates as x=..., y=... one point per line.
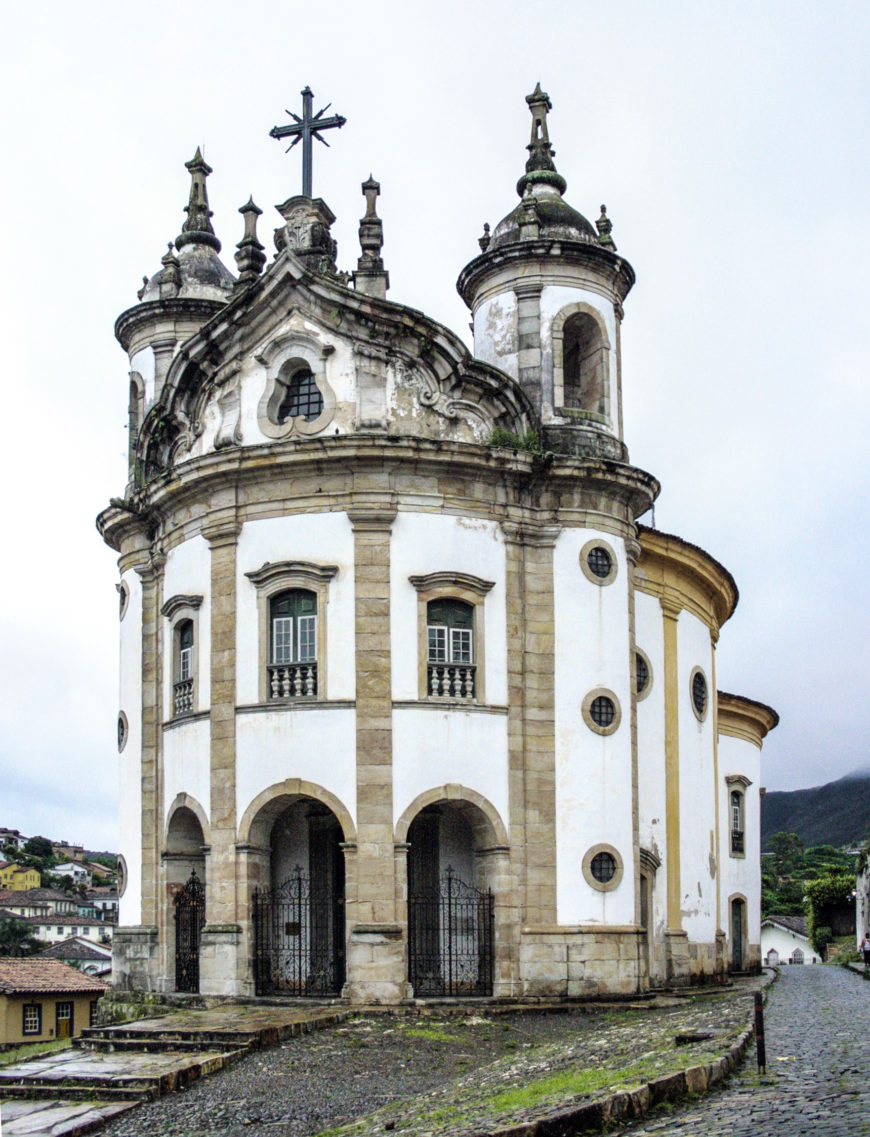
x=786, y=939
x=45, y=999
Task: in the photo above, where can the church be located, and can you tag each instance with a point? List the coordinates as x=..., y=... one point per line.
x=411, y=703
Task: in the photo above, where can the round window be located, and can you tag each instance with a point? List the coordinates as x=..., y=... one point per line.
x=122, y=731
x=123, y=599
x=603, y=867
x=641, y=673
x=603, y=711
x=699, y=694
x=600, y=562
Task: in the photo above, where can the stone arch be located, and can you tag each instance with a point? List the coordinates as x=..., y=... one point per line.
x=486, y=823
x=186, y=801
x=258, y=818
x=588, y=393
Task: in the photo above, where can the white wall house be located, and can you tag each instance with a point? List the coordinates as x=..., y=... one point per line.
x=785, y=940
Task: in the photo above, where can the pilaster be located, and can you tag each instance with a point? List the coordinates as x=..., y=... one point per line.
x=528, y=295
x=531, y=716
x=220, y=895
x=670, y=615
x=151, y=575
x=375, y=944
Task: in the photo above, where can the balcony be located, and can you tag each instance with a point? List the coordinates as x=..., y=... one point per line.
x=451, y=680
x=183, y=697
x=292, y=681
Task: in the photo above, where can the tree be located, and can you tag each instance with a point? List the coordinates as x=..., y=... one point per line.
x=38, y=847
x=825, y=897
x=16, y=939
x=788, y=853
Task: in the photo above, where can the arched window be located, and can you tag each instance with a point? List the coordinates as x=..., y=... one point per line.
x=293, y=638
x=183, y=686
x=450, y=636
x=797, y=956
x=584, y=379
x=302, y=397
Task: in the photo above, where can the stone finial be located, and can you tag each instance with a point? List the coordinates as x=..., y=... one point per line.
x=251, y=255
x=307, y=233
x=540, y=167
x=197, y=229
x=485, y=239
x=170, y=278
x=604, y=226
x=141, y=292
x=370, y=277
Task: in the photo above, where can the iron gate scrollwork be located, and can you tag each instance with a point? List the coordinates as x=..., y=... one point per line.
x=450, y=939
x=298, y=939
x=189, y=919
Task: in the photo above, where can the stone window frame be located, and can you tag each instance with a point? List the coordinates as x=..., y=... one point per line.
x=699, y=671
x=283, y=576
x=594, y=543
x=591, y=696
x=451, y=585
x=177, y=610
x=32, y=1007
x=588, y=857
x=737, y=784
x=641, y=695
x=284, y=358
x=557, y=341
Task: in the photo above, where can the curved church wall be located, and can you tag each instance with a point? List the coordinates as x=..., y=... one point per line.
x=130, y=778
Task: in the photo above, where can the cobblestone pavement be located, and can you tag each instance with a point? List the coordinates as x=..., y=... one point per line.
x=413, y=1068
x=817, y=1027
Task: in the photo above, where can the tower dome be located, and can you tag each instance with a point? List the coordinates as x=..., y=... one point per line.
x=546, y=297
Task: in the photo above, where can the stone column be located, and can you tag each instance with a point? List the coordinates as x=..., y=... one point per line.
x=531, y=717
x=676, y=940
x=222, y=971
x=375, y=957
x=632, y=549
x=528, y=295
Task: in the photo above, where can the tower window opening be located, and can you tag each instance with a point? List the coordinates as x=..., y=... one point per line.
x=450, y=642
x=302, y=398
x=293, y=663
x=584, y=354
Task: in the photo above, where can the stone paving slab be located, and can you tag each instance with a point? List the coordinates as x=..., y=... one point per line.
x=86, y=1067
x=57, y=1118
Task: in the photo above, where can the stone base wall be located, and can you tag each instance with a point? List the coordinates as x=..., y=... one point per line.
x=376, y=965
x=566, y=963
x=136, y=959
x=224, y=968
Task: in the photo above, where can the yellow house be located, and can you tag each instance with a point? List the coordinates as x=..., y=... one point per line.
x=17, y=878
x=44, y=999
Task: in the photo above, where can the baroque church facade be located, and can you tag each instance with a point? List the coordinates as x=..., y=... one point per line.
x=411, y=704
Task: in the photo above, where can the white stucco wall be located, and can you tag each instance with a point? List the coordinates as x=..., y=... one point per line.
x=422, y=543
x=320, y=538
x=652, y=787
x=434, y=746
x=593, y=772
x=697, y=785
x=316, y=744
x=143, y=362
x=741, y=875
x=129, y=764
x=495, y=332
x=188, y=573
x=186, y=764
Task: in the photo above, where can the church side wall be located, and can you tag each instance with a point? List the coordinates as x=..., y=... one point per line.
x=186, y=573
x=697, y=795
x=741, y=876
x=593, y=772
x=496, y=338
x=130, y=802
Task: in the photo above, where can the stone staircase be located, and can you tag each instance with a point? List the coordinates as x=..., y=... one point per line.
x=110, y=1069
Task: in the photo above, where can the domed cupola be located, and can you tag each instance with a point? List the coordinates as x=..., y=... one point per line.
x=190, y=287
x=546, y=296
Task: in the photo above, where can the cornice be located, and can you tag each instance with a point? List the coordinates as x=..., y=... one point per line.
x=305, y=570
x=158, y=312
x=447, y=579
x=176, y=603
x=684, y=578
x=744, y=718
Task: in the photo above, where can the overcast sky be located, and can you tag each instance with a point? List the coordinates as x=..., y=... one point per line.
x=730, y=144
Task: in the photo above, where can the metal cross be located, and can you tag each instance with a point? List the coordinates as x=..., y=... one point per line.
x=306, y=128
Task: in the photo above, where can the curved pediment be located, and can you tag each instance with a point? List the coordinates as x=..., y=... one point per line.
x=299, y=355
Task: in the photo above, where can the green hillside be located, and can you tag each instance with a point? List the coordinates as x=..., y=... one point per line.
x=834, y=814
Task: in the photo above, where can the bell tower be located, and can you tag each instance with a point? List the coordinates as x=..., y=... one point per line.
x=546, y=297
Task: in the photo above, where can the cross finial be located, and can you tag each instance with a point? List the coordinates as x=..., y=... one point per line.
x=306, y=128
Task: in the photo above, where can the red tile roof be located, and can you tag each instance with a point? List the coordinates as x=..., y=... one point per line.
x=31, y=976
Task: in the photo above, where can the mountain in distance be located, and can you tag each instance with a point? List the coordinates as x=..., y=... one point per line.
x=837, y=813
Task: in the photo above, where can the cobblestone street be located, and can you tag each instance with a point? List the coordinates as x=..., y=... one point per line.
x=817, y=1025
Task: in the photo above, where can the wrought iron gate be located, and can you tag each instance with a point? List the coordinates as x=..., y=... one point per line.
x=298, y=938
x=189, y=919
x=450, y=939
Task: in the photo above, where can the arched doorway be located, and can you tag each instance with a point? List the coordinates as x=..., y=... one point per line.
x=184, y=865
x=450, y=906
x=298, y=918
x=738, y=932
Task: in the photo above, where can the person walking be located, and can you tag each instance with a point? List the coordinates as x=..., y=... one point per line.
x=864, y=947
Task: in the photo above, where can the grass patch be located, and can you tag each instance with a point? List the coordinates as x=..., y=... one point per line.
x=567, y=1083
x=33, y=1050
x=429, y=1034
